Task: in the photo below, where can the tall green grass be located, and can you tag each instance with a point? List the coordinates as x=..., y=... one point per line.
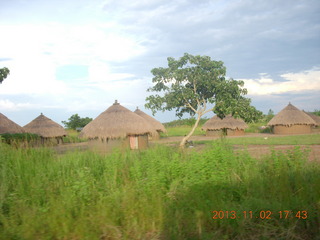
x=73, y=137
x=160, y=193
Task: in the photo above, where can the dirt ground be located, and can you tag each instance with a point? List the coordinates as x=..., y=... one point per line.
x=256, y=151
x=259, y=151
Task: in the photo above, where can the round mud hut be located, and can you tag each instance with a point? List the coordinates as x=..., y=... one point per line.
x=314, y=117
x=291, y=120
x=229, y=126
x=8, y=126
x=48, y=130
x=117, y=127
x=153, y=122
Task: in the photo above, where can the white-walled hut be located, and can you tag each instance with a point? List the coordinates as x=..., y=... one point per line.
x=8, y=126
x=228, y=125
x=158, y=126
x=118, y=127
x=46, y=128
x=291, y=120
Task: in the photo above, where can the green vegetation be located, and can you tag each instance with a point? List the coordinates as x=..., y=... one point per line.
x=185, y=122
x=73, y=137
x=316, y=112
x=76, y=122
x=20, y=139
x=182, y=127
x=191, y=83
x=160, y=193
x=181, y=131
x=257, y=127
x=4, y=72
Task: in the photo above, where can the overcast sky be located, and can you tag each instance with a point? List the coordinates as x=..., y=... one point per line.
x=78, y=56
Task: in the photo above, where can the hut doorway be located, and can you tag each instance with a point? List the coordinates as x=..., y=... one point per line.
x=134, y=142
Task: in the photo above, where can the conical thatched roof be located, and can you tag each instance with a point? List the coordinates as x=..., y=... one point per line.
x=229, y=122
x=8, y=126
x=116, y=122
x=153, y=122
x=314, y=117
x=45, y=127
x=289, y=116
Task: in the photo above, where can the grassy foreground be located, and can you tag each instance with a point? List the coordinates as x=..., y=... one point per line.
x=159, y=193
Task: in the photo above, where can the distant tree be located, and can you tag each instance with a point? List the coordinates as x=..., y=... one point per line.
x=270, y=115
x=316, y=112
x=190, y=83
x=75, y=121
x=4, y=72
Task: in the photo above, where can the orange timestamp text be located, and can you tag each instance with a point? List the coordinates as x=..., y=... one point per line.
x=264, y=214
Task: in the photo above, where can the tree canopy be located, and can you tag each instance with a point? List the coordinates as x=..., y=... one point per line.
x=4, y=72
x=191, y=83
x=75, y=121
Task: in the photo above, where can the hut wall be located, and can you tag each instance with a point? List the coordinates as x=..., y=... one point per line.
x=155, y=136
x=315, y=129
x=294, y=129
x=143, y=141
x=237, y=132
x=214, y=133
x=107, y=146
x=138, y=141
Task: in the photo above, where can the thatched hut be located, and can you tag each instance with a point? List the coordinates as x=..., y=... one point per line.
x=46, y=129
x=8, y=126
x=314, y=117
x=229, y=126
x=118, y=127
x=291, y=120
x=153, y=122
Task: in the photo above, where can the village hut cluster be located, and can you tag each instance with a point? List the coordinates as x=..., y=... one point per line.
x=45, y=128
x=119, y=127
x=289, y=120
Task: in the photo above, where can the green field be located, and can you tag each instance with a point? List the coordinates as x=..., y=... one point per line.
x=310, y=139
x=181, y=131
x=159, y=193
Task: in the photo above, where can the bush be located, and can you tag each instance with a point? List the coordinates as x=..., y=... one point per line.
x=20, y=138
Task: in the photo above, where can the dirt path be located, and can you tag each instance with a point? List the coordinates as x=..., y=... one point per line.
x=259, y=151
x=256, y=151
x=204, y=138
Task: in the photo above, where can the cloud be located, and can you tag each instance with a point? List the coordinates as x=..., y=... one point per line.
x=34, y=53
x=291, y=82
x=32, y=76
x=6, y=104
x=81, y=56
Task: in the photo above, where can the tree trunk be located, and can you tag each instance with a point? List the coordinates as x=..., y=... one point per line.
x=185, y=139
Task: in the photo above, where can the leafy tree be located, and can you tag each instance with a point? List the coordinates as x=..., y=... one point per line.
x=75, y=121
x=190, y=83
x=4, y=72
